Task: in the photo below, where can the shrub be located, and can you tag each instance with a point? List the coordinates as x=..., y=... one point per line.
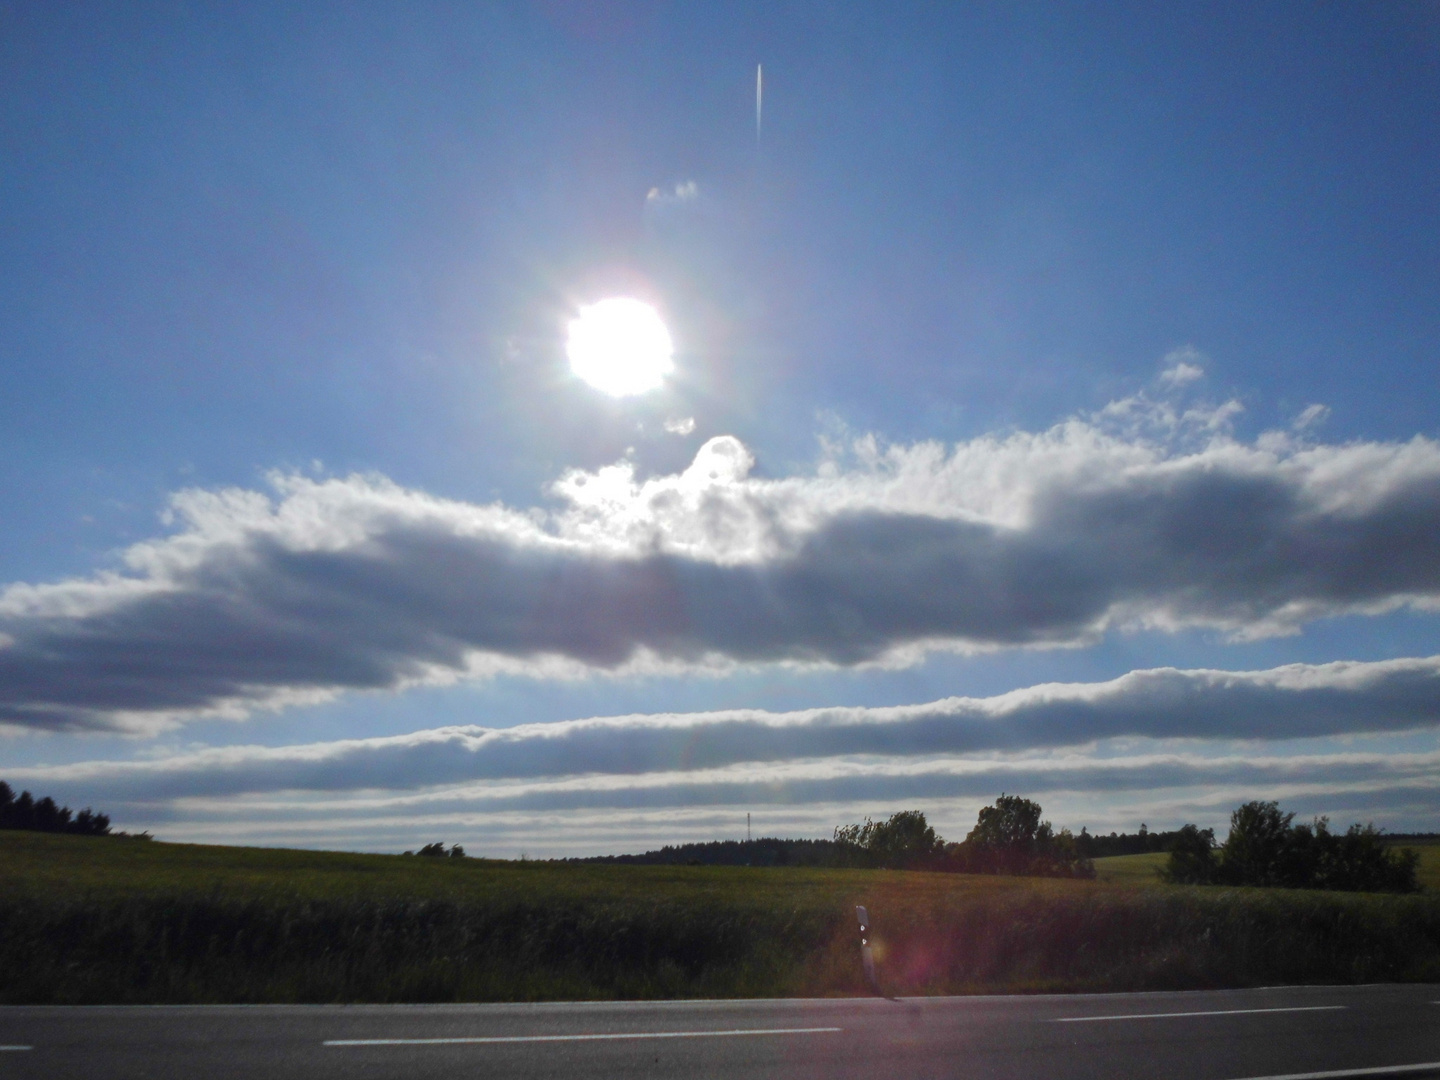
x=438, y=851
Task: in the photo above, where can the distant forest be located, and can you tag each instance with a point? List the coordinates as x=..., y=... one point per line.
x=766, y=851
x=43, y=815
x=773, y=851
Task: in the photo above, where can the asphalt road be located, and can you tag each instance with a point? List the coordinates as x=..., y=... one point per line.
x=1219, y=1035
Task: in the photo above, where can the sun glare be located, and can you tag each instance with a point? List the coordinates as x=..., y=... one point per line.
x=620, y=347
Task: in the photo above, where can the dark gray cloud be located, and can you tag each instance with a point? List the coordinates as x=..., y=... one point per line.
x=810, y=747
x=1033, y=540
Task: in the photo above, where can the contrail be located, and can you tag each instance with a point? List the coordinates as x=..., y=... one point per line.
x=759, y=97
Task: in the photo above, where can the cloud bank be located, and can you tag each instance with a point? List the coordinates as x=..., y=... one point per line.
x=1298, y=701
x=1173, y=743
x=1138, y=517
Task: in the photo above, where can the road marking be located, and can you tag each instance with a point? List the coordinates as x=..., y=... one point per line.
x=1337, y=1074
x=4, y=1048
x=580, y=1038
x=1213, y=1012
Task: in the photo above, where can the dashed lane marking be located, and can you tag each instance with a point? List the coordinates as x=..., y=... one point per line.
x=582, y=1038
x=1211, y=1012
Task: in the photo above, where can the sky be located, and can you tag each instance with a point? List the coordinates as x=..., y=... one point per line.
x=1053, y=412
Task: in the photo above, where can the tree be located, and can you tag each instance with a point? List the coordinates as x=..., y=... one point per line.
x=1012, y=823
x=1259, y=846
x=43, y=815
x=1266, y=848
x=1192, y=857
x=1010, y=837
x=905, y=840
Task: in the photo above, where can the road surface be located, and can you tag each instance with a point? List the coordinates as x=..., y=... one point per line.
x=1219, y=1035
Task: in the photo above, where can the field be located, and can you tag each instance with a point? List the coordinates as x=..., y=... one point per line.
x=104, y=919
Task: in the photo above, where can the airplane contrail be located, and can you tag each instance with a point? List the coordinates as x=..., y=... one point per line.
x=759, y=97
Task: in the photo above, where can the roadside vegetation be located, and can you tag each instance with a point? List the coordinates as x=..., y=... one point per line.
x=97, y=919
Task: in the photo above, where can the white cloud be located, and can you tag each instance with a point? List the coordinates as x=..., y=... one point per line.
x=683, y=192
x=680, y=425
x=1138, y=517
x=1183, y=365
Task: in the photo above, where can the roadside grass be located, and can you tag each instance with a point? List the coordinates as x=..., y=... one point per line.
x=87, y=919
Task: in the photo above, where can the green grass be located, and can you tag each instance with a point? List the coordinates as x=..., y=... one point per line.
x=102, y=919
x=1131, y=869
x=1429, y=872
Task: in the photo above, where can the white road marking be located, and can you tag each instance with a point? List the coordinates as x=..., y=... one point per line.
x=4, y=1048
x=1337, y=1074
x=580, y=1038
x=1213, y=1012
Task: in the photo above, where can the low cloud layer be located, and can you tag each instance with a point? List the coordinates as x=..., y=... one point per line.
x=1137, y=517
x=632, y=783
x=817, y=754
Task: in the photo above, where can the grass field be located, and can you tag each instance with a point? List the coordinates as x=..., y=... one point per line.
x=102, y=919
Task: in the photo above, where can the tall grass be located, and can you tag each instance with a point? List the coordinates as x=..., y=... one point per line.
x=86, y=920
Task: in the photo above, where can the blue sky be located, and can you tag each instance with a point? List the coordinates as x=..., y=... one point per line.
x=1027, y=344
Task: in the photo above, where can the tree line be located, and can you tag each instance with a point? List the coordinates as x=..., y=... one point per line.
x=1009, y=837
x=43, y=815
x=1266, y=847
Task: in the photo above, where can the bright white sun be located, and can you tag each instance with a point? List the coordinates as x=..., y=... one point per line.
x=620, y=346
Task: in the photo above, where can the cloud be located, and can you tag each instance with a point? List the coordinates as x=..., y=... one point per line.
x=680, y=425
x=808, y=752
x=685, y=191
x=679, y=194
x=1138, y=517
x=1162, y=746
x=1183, y=365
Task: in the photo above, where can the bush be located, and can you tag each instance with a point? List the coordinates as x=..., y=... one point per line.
x=438, y=851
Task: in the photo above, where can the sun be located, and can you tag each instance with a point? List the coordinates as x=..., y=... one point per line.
x=620, y=346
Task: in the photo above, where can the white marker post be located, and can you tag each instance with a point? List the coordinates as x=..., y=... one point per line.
x=867, y=958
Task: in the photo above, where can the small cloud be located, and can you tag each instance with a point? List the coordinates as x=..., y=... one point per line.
x=1183, y=365
x=685, y=192
x=1311, y=416
x=680, y=425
